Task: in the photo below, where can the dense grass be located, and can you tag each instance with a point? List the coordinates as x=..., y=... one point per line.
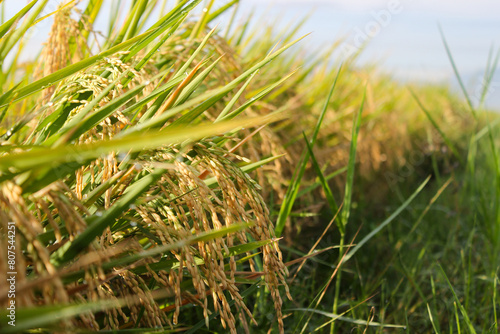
x=150, y=171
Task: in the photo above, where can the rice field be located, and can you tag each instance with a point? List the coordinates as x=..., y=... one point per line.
x=171, y=175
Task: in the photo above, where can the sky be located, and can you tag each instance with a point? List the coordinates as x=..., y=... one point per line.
x=403, y=35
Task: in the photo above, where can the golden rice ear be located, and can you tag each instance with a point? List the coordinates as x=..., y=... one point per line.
x=200, y=208
x=56, y=53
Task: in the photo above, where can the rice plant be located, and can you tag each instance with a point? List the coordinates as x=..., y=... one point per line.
x=119, y=173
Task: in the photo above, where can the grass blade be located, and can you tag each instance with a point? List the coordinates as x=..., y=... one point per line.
x=293, y=189
x=387, y=221
x=347, y=319
x=326, y=188
x=438, y=128
x=457, y=74
x=457, y=301
x=344, y=216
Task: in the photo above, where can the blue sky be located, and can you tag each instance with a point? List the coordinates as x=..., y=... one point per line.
x=407, y=43
x=411, y=37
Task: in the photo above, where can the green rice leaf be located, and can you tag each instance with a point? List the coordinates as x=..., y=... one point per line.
x=346, y=209
x=4, y=28
x=326, y=188
x=42, y=156
x=293, y=189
